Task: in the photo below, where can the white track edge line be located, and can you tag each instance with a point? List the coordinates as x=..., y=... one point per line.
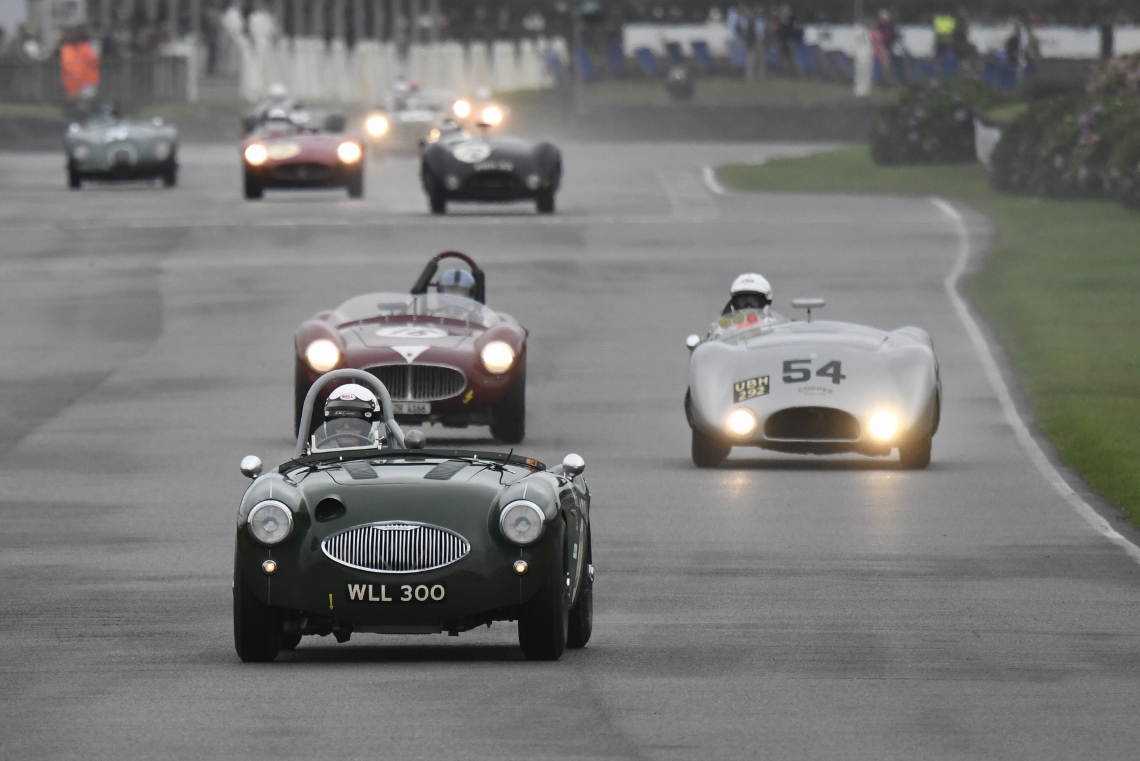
x=993, y=374
x=711, y=181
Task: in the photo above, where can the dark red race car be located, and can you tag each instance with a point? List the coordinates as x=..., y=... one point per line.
x=444, y=356
x=302, y=150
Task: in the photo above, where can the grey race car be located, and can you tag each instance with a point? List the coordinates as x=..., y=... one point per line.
x=758, y=379
x=459, y=166
x=106, y=147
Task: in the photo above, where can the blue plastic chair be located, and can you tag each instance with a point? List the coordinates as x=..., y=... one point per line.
x=703, y=57
x=615, y=59
x=555, y=67
x=804, y=60
x=648, y=62
x=585, y=65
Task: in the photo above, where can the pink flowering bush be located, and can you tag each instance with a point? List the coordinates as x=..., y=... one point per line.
x=930, y=123
x=1119, y=78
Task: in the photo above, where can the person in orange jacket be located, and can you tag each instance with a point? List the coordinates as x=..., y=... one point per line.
x=79, y=67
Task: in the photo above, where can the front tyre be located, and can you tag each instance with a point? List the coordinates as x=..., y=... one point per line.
x=582, y=614
x=170, y=174
x=915, y=454
x=257, y=627
x=544, y=620
x=74, y=178
x=355, y=185
x=509, y=415
x=544, y=202
x=709, y=451
x=252, y=187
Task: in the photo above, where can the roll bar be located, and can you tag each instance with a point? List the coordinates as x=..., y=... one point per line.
x=395, y=434
x=422, y=282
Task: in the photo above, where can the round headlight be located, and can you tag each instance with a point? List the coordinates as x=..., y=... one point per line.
x=322, y=355
x=498, y=357
x=270, y=522
x=376, y=125
x=883, y=425
x=256, y=154
x=80, y=152
x=462, y=109
x=349, y=153
x=740, y=422
x=522, y=522
x=161, y=151
x=493, y=115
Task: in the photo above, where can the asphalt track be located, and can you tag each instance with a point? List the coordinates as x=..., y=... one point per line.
x=779, y=608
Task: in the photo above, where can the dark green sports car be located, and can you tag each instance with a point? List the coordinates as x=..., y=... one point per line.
x=107, y=148
x=375, y=533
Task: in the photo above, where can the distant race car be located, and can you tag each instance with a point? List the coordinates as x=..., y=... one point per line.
x=758, y=379
x=459, y=166
x=299, y=149
x=108, y=148
x=444, y=357
x=405, y=119
x=373, y=533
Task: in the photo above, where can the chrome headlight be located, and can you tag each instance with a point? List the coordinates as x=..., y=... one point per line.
x=492, y=115
x=883, y=425
x=376, y=125
x=522, y=522
x=462, y=109
x=741, y=422
x=80, y=152
x=349, y=152
x=270, y=522
x=322, y=355
x=256, y=154
x=533, y=181
x=161, y=151
x=497, y=357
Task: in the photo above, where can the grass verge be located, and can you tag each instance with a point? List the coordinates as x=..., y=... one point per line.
x=1060, y=287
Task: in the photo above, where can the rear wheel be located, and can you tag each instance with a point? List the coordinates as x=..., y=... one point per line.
x=915, y=454
x=437, y=197
x=253, y=189
x=509, y=414
x=257, y=627
x=355, y=185
x=170, y=175
x=544, y=202
x=582, y=614
x=543, y=621
x=74, y=178
x=709, y=451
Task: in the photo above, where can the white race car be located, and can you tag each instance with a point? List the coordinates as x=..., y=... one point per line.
x=758, y=379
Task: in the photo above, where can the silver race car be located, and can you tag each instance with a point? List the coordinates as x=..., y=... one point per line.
x=758, y=379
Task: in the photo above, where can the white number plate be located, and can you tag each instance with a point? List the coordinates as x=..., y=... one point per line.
x=411, y=408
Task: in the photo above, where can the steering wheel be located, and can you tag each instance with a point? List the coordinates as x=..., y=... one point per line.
x=345, y=441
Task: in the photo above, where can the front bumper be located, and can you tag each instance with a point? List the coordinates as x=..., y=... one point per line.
x=304, y=174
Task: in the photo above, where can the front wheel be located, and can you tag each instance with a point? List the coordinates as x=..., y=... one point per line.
x=509, y=414
x=545, y=202
x=709, y=451
x=355, y=185
x=74, y=179
x=257, y=627
x=544, y=620
x=437, y=198
x=170, y=175
x=253, y=189
x=582, y=614
x=915, y=454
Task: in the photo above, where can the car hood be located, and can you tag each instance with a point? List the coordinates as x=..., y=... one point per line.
x=123, y=132
x=412, y=332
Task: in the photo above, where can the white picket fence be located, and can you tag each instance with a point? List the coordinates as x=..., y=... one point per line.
x=319, y=71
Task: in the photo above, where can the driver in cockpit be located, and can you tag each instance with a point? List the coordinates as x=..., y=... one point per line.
x=456, y=282
x=352, y=417
x=749, y=291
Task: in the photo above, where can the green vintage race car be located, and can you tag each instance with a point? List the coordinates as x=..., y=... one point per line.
x=381, y=535
x=105, y=147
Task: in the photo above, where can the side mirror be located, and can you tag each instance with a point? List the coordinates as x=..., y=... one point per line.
x=573, y=465
x=693, y=341
x=250, y=466
x=414, y=439
x=808, y=304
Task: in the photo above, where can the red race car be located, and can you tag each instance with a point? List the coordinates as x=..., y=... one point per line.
x=443, y=355
x=302, y=150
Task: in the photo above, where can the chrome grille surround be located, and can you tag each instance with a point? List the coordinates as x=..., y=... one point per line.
x=395, y=547
x=420, y=383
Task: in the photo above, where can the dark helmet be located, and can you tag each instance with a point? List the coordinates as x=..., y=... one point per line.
x=458, y=282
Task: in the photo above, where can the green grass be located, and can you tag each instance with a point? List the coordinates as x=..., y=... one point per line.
x=712, y=91
x=1061, y=287
x=34, y=110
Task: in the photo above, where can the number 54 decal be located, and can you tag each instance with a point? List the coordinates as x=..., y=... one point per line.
x=799, y=370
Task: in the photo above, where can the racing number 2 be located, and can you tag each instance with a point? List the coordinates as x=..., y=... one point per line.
x=799, y=370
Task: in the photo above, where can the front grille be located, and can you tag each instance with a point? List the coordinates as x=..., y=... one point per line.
x=302, y=172
x=812, y=424
x=495, y=181
x=395, y=547
x=420, y=383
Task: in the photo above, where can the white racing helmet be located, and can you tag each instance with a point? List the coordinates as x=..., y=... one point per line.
x=750, y=291
x=352, y=400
